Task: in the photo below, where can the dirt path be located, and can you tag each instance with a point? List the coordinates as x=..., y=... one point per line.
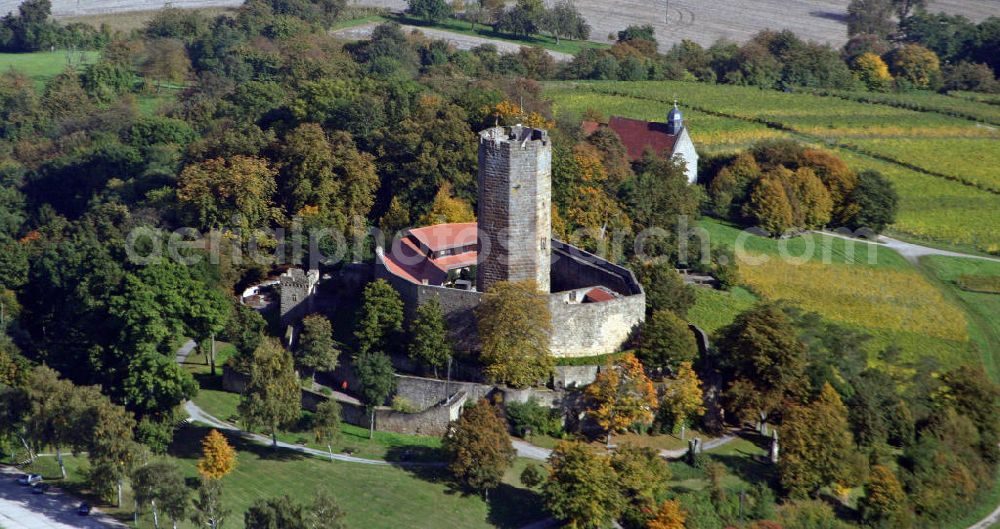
x=460, y=41
x=910, y=251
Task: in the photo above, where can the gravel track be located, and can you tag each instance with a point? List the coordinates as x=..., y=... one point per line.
x=702, y=21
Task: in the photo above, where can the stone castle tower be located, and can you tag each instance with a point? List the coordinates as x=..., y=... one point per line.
x=515, y=206
x=297, y=289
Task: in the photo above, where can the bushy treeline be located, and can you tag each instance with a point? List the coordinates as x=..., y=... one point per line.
x=784, y=186
x=31, y=30
x=966, y=52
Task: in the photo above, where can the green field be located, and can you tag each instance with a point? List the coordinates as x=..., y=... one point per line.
x=714, y=309
x=983, y=309
x=863, y=286
x=936, y=206
x=42, y=66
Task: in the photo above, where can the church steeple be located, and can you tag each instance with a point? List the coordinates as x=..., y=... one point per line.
x=675, y=121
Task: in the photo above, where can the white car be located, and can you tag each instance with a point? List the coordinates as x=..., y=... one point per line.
x=29, y=479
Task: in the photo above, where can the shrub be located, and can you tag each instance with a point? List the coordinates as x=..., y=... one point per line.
x=532, y=476
x=532, y=416
x=404, y=405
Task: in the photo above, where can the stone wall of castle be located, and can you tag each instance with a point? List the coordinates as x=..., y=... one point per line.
x=515, y=206
x=296, y=287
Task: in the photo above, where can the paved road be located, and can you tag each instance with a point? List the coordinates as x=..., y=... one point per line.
x=460, y=41
x=20, y=509
x=185, y=350
x=530, y=451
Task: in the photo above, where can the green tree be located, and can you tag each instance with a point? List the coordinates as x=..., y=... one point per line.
x=884, y=500
x=642, y=477
x=161, y=485
x=208, y=508
x=326, y=424
x=478, y=448
x=582, y=489
x=515, y=328
x=870, y=17
x=317, y=350
x=285, y=513
x=666, y=342
x=112, y=448
x=272, y=397
x=875, y=202
x=532, y=476
x=429, y=341
x=660, y=195
x=378, y=381
x=816, y=445
x=429, y=10
x=565, y=20
x=380, y=319
x=155, y=384
x=762, y=351
x=665, y=288
x=221, y=190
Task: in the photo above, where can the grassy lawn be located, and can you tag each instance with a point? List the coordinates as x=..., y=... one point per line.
x=714, y=309
x=465, y=28
x=44, y=65
x=373, y=496
x=983, y=309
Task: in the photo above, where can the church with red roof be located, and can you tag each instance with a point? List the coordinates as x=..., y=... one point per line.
x=668, y=139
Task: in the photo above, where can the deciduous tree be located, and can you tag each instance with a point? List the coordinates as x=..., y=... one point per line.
x=317, y=350
x=478, y=448
x=582, y=488
x=380, y=319
x=816, y=444
x=221, y=190
x=667, y=341
x=429, y=342
x=208, y=508
x=884, y=500
x=769, y=206
x=326, y=424
x=377, y=379
x=272, y=397
x=642, y=480
x=669, y=516
x=515, y=327
x=621, y=396
x=683, y=399
x=218, y=458
x=875, y=202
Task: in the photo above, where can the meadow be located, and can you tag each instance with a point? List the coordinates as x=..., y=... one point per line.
x=968, y=105
x=935, y=206
x=44, y=65
x=862, y=286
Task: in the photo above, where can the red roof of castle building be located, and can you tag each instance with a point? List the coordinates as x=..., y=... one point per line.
x=597, y=295
x=446, y=236
x=637, y=135
x=408, y=260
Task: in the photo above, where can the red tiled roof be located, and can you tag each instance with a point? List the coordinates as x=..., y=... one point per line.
x=637, y=135
x=446, y=236
x=409, y=261
x=597, y=295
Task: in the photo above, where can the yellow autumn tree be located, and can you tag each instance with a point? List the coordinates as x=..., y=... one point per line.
x=448, y=209
x=218, y=458
x=916, y=65
x=510, y=113
x=873, y=71
x=682, y=397
x=622, y=395
x=590, y=208
x=670, y=516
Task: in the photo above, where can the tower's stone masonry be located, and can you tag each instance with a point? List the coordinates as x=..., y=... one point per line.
x=515, y=206
x=297, y=289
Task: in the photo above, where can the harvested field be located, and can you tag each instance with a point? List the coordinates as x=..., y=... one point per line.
x=703, y=22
